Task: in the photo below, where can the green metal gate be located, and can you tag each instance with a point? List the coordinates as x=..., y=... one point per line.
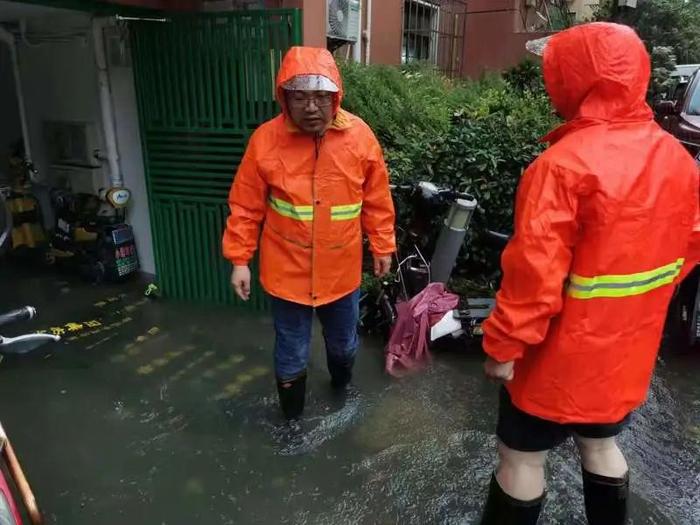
x=204, y=83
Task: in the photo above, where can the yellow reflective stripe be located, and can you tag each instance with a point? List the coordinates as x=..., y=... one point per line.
x=626, y=278
x=623, y=285
x=286, y=209
x=346, y=212
x=306, y=213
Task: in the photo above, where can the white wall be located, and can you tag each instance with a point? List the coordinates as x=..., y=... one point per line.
x=129, y=140
x=60, y=83
x=10, y=128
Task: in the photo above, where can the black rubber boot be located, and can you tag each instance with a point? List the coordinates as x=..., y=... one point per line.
x=292, y=394
x=502, y=509
x=606, y=498
x=341, y=372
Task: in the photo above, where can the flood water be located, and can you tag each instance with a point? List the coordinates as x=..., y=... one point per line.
x=159, y=413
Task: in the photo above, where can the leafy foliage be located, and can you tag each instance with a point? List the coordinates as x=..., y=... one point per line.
x=672, y=23
x=663, y=64
x=476, y=137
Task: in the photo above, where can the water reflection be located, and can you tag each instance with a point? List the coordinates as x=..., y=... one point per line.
x=174, y=420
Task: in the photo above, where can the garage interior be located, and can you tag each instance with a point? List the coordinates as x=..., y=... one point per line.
x=71, y=163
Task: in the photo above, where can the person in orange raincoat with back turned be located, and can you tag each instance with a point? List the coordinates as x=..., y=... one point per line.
x=603, y=228
x=315, y=178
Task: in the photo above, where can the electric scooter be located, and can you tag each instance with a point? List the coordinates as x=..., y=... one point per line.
x=415, y=269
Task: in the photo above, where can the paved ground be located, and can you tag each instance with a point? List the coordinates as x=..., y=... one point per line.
x=158, y=413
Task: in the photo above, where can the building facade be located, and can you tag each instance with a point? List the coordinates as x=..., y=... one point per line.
x=463, y=38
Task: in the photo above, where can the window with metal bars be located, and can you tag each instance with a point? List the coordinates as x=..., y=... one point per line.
x=433, y=31
x=420, y=31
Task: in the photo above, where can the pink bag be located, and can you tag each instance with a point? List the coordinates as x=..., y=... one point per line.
x=408, y=345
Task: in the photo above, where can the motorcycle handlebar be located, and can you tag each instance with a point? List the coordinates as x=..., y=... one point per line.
x=442, y=194
x=401, y=187
x=21, y=314
x=498, y=238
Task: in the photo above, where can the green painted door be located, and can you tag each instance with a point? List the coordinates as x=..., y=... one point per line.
x=204, y=83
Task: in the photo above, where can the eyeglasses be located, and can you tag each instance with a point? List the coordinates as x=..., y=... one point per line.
x=302, y=102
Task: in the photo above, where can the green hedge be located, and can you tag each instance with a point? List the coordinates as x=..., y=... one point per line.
x=474, y=136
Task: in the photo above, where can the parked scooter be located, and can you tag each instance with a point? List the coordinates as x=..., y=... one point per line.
x=91, y=237
x=415, y=268
x=21, y=209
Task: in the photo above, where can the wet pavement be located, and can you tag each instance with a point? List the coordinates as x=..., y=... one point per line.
x=158, y=413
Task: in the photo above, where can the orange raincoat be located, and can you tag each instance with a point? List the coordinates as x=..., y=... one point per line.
x=602, y=229
x=315, y=196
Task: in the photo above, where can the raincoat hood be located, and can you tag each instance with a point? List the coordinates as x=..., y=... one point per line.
x=598, y=71
x=308, y=61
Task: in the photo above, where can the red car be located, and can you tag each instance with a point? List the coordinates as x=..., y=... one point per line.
x=681, y=117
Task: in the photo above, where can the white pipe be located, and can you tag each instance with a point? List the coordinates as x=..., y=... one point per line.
x=357, y=48
x=106, y=107
x=368, y=45
x=9, y=39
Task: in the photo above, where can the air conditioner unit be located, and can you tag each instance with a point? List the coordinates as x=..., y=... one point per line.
x=78, y=179
x=343, y=20
x=72, y=143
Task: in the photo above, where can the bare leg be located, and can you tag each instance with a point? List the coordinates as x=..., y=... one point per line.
x=602, y=457
x=521, y=474
x=516, y=493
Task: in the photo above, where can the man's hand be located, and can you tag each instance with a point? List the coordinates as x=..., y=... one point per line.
x=382, y=265
x=499, y=372
x=240, y=280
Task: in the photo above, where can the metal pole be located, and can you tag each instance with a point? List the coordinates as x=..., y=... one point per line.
x=357, y=46
x=107, y=109
x=451, y=239
x=368, y=45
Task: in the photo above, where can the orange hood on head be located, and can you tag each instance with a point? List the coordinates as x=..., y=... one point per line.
x=598, y=71
x=308, y=61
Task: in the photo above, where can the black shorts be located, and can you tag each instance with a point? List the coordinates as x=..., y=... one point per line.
x=526, y=433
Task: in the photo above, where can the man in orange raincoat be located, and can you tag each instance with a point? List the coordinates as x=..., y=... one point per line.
x=603, y=229
x=314, y=177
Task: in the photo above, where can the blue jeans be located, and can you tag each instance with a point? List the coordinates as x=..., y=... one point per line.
x=293, y=323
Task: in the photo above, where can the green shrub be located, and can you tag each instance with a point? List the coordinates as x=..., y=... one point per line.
x=526, y=76
x=395, y=102
x=473, y=136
